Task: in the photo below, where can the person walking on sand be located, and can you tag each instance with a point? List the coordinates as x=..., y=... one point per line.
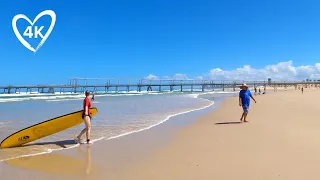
x=302, y=89
x=92, y=98
x=86, y=118
x=244, y=101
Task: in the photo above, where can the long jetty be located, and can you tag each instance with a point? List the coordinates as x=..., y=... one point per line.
x=106, y=85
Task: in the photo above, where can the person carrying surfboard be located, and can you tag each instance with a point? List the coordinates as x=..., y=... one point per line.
x=86, y=118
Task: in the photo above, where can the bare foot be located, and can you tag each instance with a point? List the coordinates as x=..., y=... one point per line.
x=89, y=141
x=246, y=121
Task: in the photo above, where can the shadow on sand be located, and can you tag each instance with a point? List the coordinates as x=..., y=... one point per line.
x=221, y=123
x=62, y=144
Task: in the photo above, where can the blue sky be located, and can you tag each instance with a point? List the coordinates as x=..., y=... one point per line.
x=120, y=39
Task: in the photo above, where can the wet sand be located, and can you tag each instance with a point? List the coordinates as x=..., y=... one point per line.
x=279, y=142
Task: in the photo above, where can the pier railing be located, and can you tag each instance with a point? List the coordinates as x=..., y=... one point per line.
x=118, y=84
x=121, y=82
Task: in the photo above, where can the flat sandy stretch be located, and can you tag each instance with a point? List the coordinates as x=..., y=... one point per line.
x=281, y=141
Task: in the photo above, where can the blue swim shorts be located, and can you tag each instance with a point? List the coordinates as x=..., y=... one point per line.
x=245, y=109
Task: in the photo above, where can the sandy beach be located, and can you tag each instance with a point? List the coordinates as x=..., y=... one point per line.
x=280, y=141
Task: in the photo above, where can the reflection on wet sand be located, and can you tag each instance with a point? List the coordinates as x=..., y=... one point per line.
x=0, y=169
x=54, y=163
x=87, y=155
x=35, y=148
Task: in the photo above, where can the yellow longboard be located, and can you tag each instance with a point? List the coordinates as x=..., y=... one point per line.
x=45, y=128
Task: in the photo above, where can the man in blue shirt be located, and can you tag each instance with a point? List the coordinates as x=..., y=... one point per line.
x=244, y=101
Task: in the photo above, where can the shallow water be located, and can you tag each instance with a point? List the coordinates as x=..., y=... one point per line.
x=119, y=114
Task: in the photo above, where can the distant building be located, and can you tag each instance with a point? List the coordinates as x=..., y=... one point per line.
x=269, y=80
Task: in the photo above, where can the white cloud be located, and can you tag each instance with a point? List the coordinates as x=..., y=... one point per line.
x=175, y=77
x=166, y=77
x=198, y=78
x=281, y=71
x=180, y=77
x=151, y=77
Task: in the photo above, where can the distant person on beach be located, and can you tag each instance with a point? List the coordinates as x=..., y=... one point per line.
x=244, y=101
x=86, y=118
x=92, y=98
x=302, y=90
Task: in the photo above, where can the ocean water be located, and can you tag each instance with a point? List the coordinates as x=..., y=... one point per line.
x=119, y=115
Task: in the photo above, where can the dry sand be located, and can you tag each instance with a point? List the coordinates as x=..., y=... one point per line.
x=279, y=142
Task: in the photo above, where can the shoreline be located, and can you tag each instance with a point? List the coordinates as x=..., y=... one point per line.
x=170, y=125
x=49, y=151
x=6, y=98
